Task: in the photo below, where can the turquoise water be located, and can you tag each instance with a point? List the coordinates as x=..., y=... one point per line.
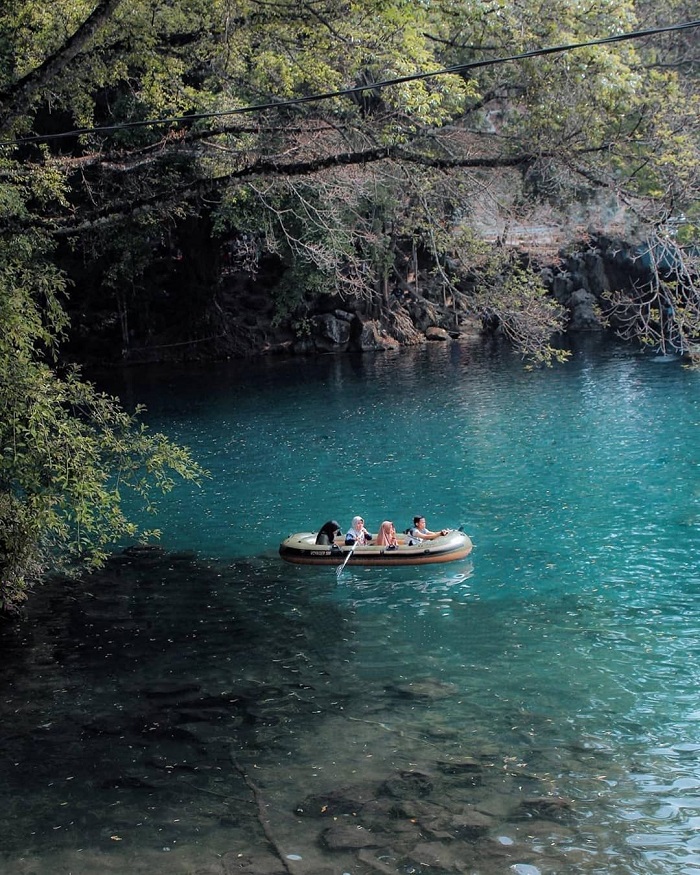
x=562, y=656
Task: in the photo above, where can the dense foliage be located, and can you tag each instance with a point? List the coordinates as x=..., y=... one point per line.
x=129, y=127
x=68, y=452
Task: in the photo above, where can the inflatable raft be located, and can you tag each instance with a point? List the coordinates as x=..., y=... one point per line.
x=302, y=549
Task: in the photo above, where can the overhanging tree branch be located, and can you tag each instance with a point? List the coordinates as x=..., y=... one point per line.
x=21, y=94
x=269, y=168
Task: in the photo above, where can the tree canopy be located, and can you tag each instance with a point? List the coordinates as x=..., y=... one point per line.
x=276, y=119
x=567, y=121
x=322, y=131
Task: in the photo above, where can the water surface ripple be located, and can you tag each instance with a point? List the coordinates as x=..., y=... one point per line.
x=189, y=712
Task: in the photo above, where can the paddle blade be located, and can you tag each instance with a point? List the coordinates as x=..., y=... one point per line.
x=339, y=570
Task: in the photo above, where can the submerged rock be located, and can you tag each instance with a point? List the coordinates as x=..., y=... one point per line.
x=546, y=807
x=426, y=689
x=351, y=836
x=439, y=857
x=459, y=765
x=408, y=785
x=346, y=800
x=259, y=863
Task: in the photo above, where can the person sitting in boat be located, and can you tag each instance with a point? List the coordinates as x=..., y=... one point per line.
x=387, y=536
x=419, y=532
x=357, y=533
x=328, y=532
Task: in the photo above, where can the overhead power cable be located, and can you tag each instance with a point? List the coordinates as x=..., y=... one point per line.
x=357, y=89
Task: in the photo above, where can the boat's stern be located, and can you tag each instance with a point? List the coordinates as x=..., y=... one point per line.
x=302, y=549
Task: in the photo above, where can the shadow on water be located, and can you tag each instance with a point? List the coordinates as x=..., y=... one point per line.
x=172, y=715
x=128, y=698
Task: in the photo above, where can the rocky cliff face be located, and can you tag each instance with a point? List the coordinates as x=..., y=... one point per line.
x=581, y=280
x=237, y=315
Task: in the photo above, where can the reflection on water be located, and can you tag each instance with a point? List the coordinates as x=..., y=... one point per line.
x=531, y=710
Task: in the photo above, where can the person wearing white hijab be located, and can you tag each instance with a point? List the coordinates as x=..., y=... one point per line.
x=357, y=533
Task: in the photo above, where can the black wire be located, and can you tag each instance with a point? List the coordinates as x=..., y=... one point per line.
x=357, y=89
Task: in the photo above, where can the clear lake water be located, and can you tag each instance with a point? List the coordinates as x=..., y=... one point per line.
x=204, y=707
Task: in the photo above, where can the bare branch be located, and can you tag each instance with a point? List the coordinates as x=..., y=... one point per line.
x=664, y=313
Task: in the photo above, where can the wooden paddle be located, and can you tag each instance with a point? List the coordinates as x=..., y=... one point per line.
x=339, y=570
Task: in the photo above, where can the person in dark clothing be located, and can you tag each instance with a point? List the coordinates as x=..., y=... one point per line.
x=327, y=532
